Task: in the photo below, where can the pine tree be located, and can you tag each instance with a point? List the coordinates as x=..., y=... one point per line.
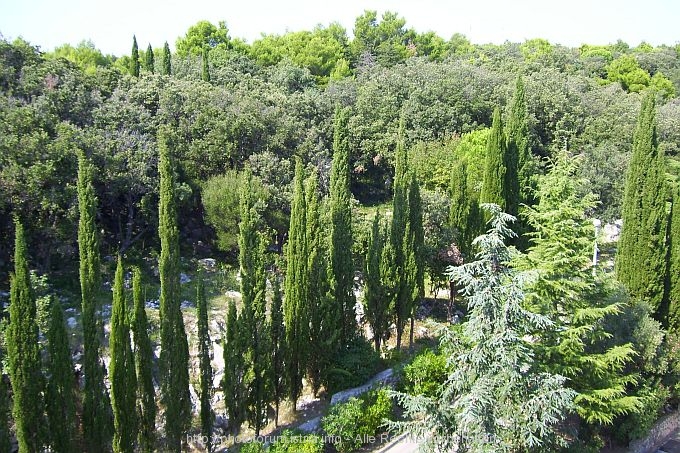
x=376, y=294
x=494, y=187
x=277, y=341
x=97, y=420
x=575, y=299
x=640, y=257
x=342, y=268
x=295, y=307
x=149, y=61
x=5, y=433
x=415, y=248
x=318, y=288
x=674, y=265
x=206, y=372
x=146, y=394
x=253, y=288
x=233, y=382
x=165, y=63
x=494, y=397
x=61, y=385
x=205, y=73
x=122, y=371
x=134, y=58
x=22, y=350
x=174, y=359
x=404, y=260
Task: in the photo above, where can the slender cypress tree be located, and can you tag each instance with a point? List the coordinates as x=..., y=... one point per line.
x=399, y=234
x=519, y=189
x=295, y=306
x=416, y=248
x=134, y=58
x=233, y=382
x=60, y=385
x=494, y=188
x=96, y=409
x=23, y=352
x=318, y=288
x=122, y=371
x=342, y=275
x=174, y=360
x=206, y=372
x=5, y=434
x=641, y=256
x=375, y=293
x=461, y=207
x=149, y=59
x=205, y=73
x=674, y=265
x=165, y=63
x=146, y=394
x=277, y=332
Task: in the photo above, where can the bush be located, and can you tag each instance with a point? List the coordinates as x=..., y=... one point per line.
x=348, y=424
x=425, y=375
x=353, y=366
x=296, y=442
x=252, y=447
x=637, y=425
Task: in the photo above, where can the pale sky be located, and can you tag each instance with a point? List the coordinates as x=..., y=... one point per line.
x=111, y=24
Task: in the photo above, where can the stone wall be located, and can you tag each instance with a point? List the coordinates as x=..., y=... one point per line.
x=657, y=436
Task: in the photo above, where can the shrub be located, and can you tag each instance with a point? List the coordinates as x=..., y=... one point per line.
x=296, y=442
x=353, y=366
x=252, y=447
x=425, y=375
x=637, y=425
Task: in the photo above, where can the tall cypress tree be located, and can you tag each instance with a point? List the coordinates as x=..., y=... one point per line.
x=460, y=215
x=174, y=360
x=23, y=353
x=641, y=256
x=60, y=385
x=206, y=372
x=342, y=275
x=399, y=234
x=233, y=381
x=96, y=410
x=205, y=73
x=165, y=63
x=518, y=148
x=122, y=371
x=673, y=272
x=149, y=61
x=134, y=58
x=295, y=306
x=318, y=289
x=416, y=248
x=494, y=187
x=277, y=332
x=5, y=434
x=375, y=294
x=146, y=394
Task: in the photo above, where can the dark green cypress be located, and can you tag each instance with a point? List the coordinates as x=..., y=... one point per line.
x=61, y=383
x=375, y=295
x=494, y=189
x=165, y=63
x=461, y=207
x=23, y=353
x=416, y=248
x=134, y=58
x=295, y=303
x=318, y=288
x=277, y=340
x=399, y=233
x=206, y=372
x=205, y=73
x=174, y=360
x=146, y=394
x=521, y=188
x=149, y=61
x=641, y=256
x=5, y=434
x=233, y=382
x=97, y=420
x=342, y=275
x=122, y=370
x=673, y=274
